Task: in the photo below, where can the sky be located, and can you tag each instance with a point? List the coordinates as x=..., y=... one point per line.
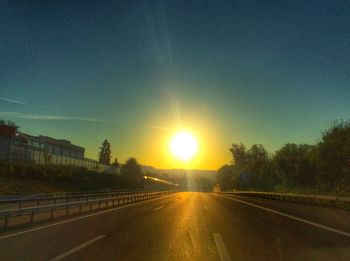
x=135, y=72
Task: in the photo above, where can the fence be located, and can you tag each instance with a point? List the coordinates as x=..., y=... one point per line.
x=17, y=153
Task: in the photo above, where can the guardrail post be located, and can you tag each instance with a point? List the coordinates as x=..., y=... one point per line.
x=67, y=210
x=32, y=217
x=51, y=213
x=6, y=221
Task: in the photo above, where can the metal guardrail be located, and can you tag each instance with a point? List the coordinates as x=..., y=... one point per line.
x=55, y=198
x=27, y=215
x=331, y=201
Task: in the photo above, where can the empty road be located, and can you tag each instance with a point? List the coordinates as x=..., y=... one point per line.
x=189, y=226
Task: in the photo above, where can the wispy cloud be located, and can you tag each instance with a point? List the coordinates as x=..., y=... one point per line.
x=46, y=117
x=12, y=101
x=152, y=126
x=50, y=117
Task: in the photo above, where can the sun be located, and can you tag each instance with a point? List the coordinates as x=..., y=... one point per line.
x=184, y=146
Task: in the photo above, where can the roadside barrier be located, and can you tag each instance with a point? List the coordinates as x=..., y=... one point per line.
x=31, y=215
x=329, y=201
x=29, y=201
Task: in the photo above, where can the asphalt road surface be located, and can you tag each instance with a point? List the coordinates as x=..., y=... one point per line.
x=189, y=226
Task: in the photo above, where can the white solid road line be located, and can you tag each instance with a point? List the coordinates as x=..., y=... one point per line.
x=78, y=218
x=334, y=230
x=222, y=250
x=73, y=250
x=162, y=206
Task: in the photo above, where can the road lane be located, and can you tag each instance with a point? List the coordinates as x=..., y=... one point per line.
x=186, y=226
x=251, y=233
x=332, y=217
x=178, y=231
x=293, y=217
x=48, y=241
x=76, y=249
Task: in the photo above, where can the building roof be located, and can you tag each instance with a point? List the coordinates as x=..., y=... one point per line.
x=61, y=142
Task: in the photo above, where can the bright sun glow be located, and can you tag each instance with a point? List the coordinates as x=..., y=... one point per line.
x=183, y=145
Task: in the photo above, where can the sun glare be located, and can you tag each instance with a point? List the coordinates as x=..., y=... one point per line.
x=184, y=146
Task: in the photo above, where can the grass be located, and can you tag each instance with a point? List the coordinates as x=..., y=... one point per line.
x=26, y=178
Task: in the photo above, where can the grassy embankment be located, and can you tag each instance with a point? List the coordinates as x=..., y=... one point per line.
x=21, y=178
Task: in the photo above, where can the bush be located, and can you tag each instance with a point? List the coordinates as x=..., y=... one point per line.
x=67, y=178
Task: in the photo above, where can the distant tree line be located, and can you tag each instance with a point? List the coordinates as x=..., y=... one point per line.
x=131, y=170
x=324, y=167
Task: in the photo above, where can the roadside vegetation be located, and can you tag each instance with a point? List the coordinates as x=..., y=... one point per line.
x=30, y=178
x=298, y=168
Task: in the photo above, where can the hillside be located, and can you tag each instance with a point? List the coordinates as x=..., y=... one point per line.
x=208, y=174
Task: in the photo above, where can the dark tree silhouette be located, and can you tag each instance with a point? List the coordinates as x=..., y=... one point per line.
x=131, y=168
x=8, y=128
x=324, y=167
x=116, y=163
x=104, y=155
x=293, y=165
x=333, y=157
x=239, y=154
x=132, y=171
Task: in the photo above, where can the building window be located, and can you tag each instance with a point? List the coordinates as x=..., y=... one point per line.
x=73, y=154
x=80, y=155
x=58, y=150
x=65, y=153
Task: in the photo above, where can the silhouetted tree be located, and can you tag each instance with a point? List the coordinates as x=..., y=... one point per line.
x=325, y=166
x=293, y=164
x=116, y=163
x=257, y=154
x=239, y=154
x=131, y=169
x=333, y=157
x=104, y=155
x=223, y=176
x=8, y=128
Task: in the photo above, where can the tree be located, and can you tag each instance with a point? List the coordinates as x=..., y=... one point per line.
x=257, y=154
x=333, y=157
x=104, y=155
x=116, y=164
x=223, y=176
x=257, y=168
x=131, y=168
x=239, y=154
x=294, y=165
x=8, y=128
x=132, y=171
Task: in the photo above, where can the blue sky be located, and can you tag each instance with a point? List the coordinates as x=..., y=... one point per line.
x=134, y=71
